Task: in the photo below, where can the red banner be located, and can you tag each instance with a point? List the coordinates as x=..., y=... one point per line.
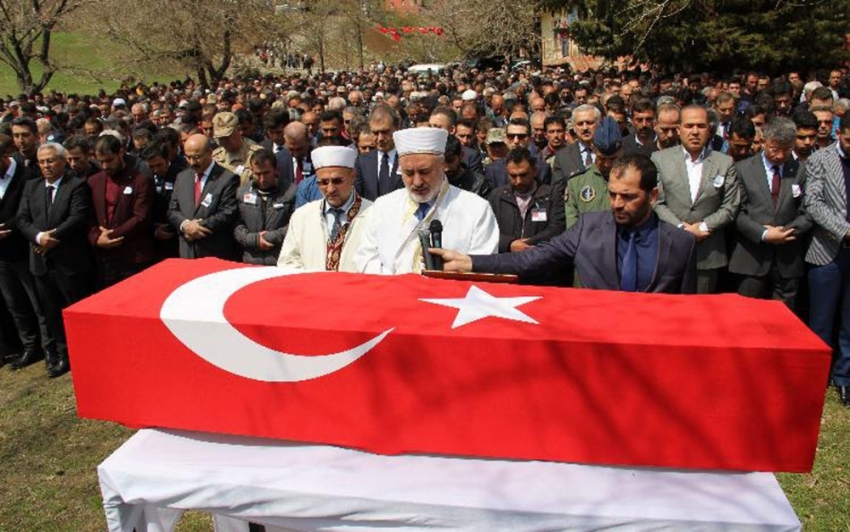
x=408, y=364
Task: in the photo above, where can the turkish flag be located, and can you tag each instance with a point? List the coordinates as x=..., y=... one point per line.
x=408, y=364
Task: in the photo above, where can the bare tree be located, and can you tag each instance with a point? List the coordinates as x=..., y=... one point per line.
x=202, y=36
x=26, y=27
x=502, y=27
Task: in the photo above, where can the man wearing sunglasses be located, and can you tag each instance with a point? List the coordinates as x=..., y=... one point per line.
x=325, y=234
x=518, y=135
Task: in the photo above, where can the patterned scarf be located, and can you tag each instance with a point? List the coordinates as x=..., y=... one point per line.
x=334, y=248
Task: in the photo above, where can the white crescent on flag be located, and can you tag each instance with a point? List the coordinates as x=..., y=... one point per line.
x=194, y=313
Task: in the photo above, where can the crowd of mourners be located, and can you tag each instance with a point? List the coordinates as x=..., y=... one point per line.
x=332, y=172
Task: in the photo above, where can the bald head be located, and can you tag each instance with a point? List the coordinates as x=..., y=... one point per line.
x=296, y=140
x=198, y=150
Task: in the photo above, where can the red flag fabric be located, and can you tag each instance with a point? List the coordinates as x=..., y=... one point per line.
x=408, y=364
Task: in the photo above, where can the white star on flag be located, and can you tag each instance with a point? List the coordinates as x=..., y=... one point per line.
x=478, y=305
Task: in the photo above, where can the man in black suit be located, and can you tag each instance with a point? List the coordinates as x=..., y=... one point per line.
x=768, y=255
x=25, y=134
x=446, y=118
x=54, y=216
x=16, y=282
x=293, y=160
x=628, y=249
x=203, y=206
x=643, y=139
x=376, y=172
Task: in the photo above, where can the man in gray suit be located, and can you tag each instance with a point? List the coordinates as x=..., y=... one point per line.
x=698, y=192
x=828, y=176
x=626, y=248
x=203, y=206
x=575, y=158
x=768, y=253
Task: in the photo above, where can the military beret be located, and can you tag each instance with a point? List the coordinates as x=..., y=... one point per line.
x=608, y=137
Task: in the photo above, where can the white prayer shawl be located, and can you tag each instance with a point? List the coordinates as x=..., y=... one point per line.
x=306, y=244
x=390, y=242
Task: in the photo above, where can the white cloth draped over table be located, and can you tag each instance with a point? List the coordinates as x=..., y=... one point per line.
x=155, y=475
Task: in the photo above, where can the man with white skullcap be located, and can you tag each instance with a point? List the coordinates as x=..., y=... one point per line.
x=390, y=243
x=325, y=234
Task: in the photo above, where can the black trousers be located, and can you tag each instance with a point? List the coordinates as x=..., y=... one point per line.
x=18, y=288
x=771, y=286
x=57, y=291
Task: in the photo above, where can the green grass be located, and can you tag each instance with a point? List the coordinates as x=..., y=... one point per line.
x=49, y=457
x=94, y=63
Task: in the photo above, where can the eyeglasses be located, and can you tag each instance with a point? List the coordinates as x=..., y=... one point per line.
x=337, y=181
x=517, y=136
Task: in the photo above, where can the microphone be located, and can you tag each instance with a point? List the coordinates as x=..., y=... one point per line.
x=436, y=228
x=425, y=242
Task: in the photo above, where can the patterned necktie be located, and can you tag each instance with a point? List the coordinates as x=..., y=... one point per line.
x=775, y=183
x=629, y=273
x=198, y=186
x=337, y=223
x=384, y=174
x=588, y=158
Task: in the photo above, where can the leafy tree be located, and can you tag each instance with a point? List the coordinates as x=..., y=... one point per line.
x=768, y=35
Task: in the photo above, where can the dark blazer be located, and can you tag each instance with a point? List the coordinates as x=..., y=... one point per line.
x=751, y=256
x=133, y=217
x=631, y=147
x=471, y=158
x=497, y=173
x=14, y=248
x=219, y=216
x=567, y=162
x=70, y=215
x=256, y=216
x=285, y=168
x=366, y=180
x=591, y=245
x=511, y=224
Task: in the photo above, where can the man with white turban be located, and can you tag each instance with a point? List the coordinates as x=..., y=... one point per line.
x=324, y=234
x=390, y=243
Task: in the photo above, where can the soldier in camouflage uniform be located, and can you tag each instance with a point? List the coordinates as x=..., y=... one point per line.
x=234, y=152
x=587, y=191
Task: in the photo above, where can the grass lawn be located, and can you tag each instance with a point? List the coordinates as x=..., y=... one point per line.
x=48, y=461
x=95, y=63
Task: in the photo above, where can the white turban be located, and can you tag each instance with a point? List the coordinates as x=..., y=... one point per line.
x=421, y=140
x=333, y=156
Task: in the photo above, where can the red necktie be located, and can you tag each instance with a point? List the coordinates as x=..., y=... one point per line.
x=774, y=186
x=198, y=186
x=299, y=172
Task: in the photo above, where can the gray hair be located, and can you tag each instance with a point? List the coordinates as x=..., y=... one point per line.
x=337, y=103
x=781, y=129
x=841, y=104
x=584, y=108
x=114, y=133
x=667, y=106
x=58, y=149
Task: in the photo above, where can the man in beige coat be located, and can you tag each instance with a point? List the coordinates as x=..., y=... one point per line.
x=325, y=234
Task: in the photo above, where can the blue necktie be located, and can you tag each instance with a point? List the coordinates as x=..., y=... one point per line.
x=629, y=273
x=422, y=211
